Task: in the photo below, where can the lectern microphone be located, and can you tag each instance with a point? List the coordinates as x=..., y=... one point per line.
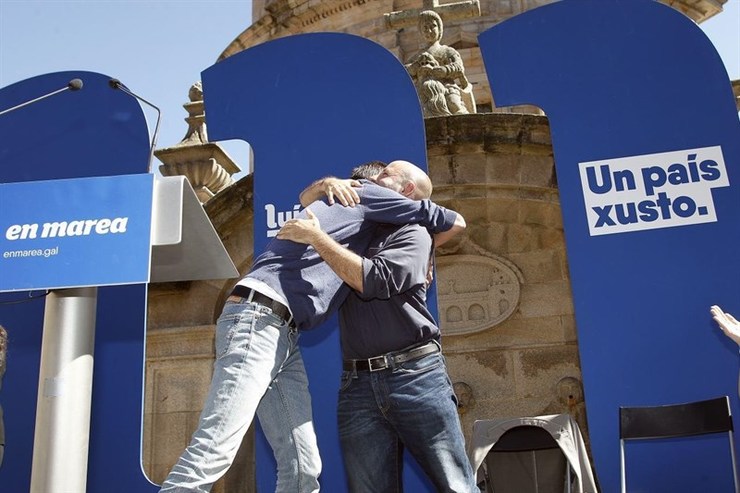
x=73, y=85
x=117, y=84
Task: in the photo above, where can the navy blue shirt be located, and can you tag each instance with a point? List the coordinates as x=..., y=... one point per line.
x=299, y=274
x=391, y=312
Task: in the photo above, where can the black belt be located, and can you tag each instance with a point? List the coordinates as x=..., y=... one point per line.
x=278, y=309
x=390, y=360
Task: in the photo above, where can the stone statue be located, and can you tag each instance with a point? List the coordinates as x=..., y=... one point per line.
x=439, y=74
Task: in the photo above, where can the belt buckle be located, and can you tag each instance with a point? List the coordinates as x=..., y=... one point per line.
x=382, y=362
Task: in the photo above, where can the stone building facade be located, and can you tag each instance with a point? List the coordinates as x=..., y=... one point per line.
x=504, y=296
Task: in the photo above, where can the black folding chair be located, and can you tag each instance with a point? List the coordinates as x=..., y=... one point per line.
x=677, y=420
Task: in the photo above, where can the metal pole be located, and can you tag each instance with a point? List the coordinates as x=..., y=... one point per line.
x=62, y=435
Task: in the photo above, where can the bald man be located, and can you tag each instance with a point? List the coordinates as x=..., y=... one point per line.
x=395, y=392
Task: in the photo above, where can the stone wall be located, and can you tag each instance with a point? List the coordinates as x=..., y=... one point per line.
x=519, y=357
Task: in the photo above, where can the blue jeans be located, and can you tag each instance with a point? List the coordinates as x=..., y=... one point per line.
x=413, y=406
x=258, y=369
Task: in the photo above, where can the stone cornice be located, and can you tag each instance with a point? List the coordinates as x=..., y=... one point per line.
x=286, y=17
x=259, y=32
x=325, y=9
x=697, y=10
x=529, y=132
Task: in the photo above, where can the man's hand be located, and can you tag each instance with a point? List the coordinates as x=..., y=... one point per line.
x=341, y=190
x=346, y=264
x=729, y=325
x=334, y=189
x=301, y=230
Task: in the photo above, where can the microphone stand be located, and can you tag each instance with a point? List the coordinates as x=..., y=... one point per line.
x=117, y=84
x=73, y=85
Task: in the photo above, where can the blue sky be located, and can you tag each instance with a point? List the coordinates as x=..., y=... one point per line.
x=158, y=48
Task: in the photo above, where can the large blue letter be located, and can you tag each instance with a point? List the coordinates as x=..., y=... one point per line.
x=313, y=105
x=633, y=84
x=96, y=131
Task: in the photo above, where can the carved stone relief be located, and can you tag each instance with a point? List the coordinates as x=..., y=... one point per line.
x=476, y=292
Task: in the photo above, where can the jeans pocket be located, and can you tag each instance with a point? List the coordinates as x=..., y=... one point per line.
x=346, y=380
x=228, y=326
x=421, y=365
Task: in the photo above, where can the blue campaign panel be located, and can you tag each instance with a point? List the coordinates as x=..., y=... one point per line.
x=310, y=106
x=88, y=129
x=646, y=142
x=76, y=232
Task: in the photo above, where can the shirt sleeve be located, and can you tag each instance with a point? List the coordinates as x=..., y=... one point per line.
x=384, y=206
x=399, y=265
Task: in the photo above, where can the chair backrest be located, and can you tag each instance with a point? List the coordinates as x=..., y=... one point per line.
x=525, y=437
x=677, y=420
x=527, y=459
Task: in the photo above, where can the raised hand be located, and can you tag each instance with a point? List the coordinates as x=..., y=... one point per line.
x=729, y=325
x=341, y=190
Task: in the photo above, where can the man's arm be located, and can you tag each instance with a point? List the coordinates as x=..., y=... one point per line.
x=332, y=187
x=457, y=228
x=345, y=263
x=384, y=206
x=398, y=264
